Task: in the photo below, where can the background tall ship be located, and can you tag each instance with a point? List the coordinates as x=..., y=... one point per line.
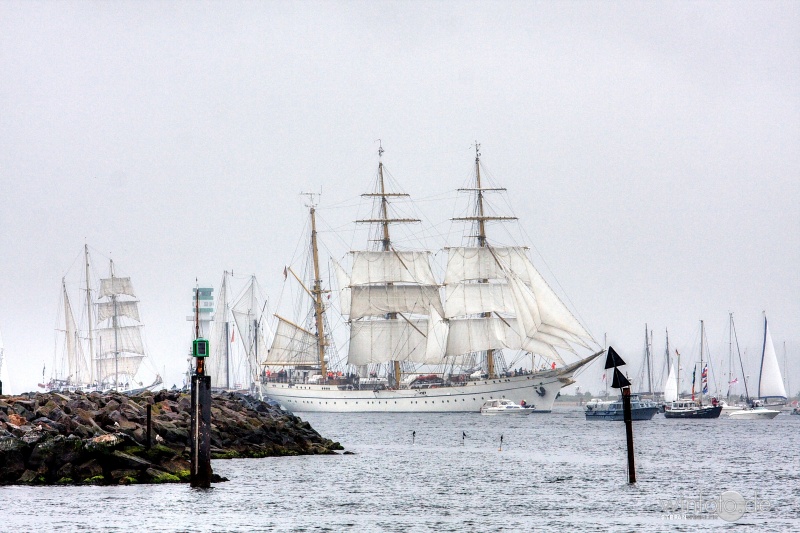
x=409, y=349
x=111, y=335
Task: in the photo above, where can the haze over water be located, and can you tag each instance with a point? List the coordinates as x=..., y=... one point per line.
x=555, y=472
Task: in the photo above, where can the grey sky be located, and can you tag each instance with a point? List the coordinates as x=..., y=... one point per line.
x=649, y=149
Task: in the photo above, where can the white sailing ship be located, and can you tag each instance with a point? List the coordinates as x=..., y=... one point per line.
x=409, y=351
x=113, y=336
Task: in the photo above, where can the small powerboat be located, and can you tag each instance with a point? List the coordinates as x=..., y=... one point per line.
x=501, y=406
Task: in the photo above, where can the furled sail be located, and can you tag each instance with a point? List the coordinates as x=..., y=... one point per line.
x=76, y=361
x=292, y=345
x=770, y=382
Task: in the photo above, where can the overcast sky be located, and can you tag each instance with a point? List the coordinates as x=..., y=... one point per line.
x=650, y=150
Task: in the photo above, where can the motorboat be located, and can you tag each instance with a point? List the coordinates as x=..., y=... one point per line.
x=756, y=412
x=641, y=409
x=501, y=406
x=684, y=408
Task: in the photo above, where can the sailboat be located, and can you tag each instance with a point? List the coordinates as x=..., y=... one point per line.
x=408, y=350
x=770, y=384
x=114, y=338
x=693, y=408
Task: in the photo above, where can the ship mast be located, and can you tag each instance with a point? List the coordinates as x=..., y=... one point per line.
x=317, y=292
x=115, y=325
x=386, y=242
x=481, y=219
x=89, y=315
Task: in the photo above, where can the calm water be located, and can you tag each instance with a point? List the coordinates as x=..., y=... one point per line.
x=555, y=472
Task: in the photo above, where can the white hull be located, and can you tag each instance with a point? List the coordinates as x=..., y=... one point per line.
x=539, y=390
x=754, y=414
x=731, y=408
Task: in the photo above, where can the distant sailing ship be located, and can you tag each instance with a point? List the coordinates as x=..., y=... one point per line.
x=113, y=336
x=408, y=350
x=235, y=365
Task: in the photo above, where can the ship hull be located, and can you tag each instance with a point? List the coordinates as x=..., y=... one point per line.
x=539, y=390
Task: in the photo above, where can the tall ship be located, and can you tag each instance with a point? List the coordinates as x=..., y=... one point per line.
x=104, y=350
x=418, y=345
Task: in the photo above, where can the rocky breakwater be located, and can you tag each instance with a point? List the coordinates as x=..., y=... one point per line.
x=101, y=438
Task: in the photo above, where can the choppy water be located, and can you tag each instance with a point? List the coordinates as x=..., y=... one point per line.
x=555, y=472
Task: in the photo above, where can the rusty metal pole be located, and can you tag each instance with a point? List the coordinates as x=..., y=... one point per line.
x=626, y=414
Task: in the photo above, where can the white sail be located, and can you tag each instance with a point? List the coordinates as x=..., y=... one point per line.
x=343, y=280
x=436, y=343
x=78, y=370
x=770, y=382
x=378, y=341
x=375, y=300
x=391, y=267
x=671, y=386
x=292, y=345
x=467, y=263
x=474, y=298
x=108, y=368
x=479, y=334
x=106, y=310
x=123, y=339
x=116, y=286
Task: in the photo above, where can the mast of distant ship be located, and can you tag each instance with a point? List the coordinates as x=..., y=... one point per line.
x=89, y=315
x=386, y=242
x=317, y=292
x=115, y=324
x=481, y=219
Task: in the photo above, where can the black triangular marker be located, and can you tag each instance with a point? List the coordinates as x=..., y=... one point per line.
x=620, y=380
x=613, y=359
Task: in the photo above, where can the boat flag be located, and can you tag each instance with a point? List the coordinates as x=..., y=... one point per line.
x=553, y=365
x=694, y=371
x=735, y=380
x=604, y=376
x=285, y=273
x=705, y=379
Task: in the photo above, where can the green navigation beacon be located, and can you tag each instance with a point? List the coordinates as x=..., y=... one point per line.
x=200, y=348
